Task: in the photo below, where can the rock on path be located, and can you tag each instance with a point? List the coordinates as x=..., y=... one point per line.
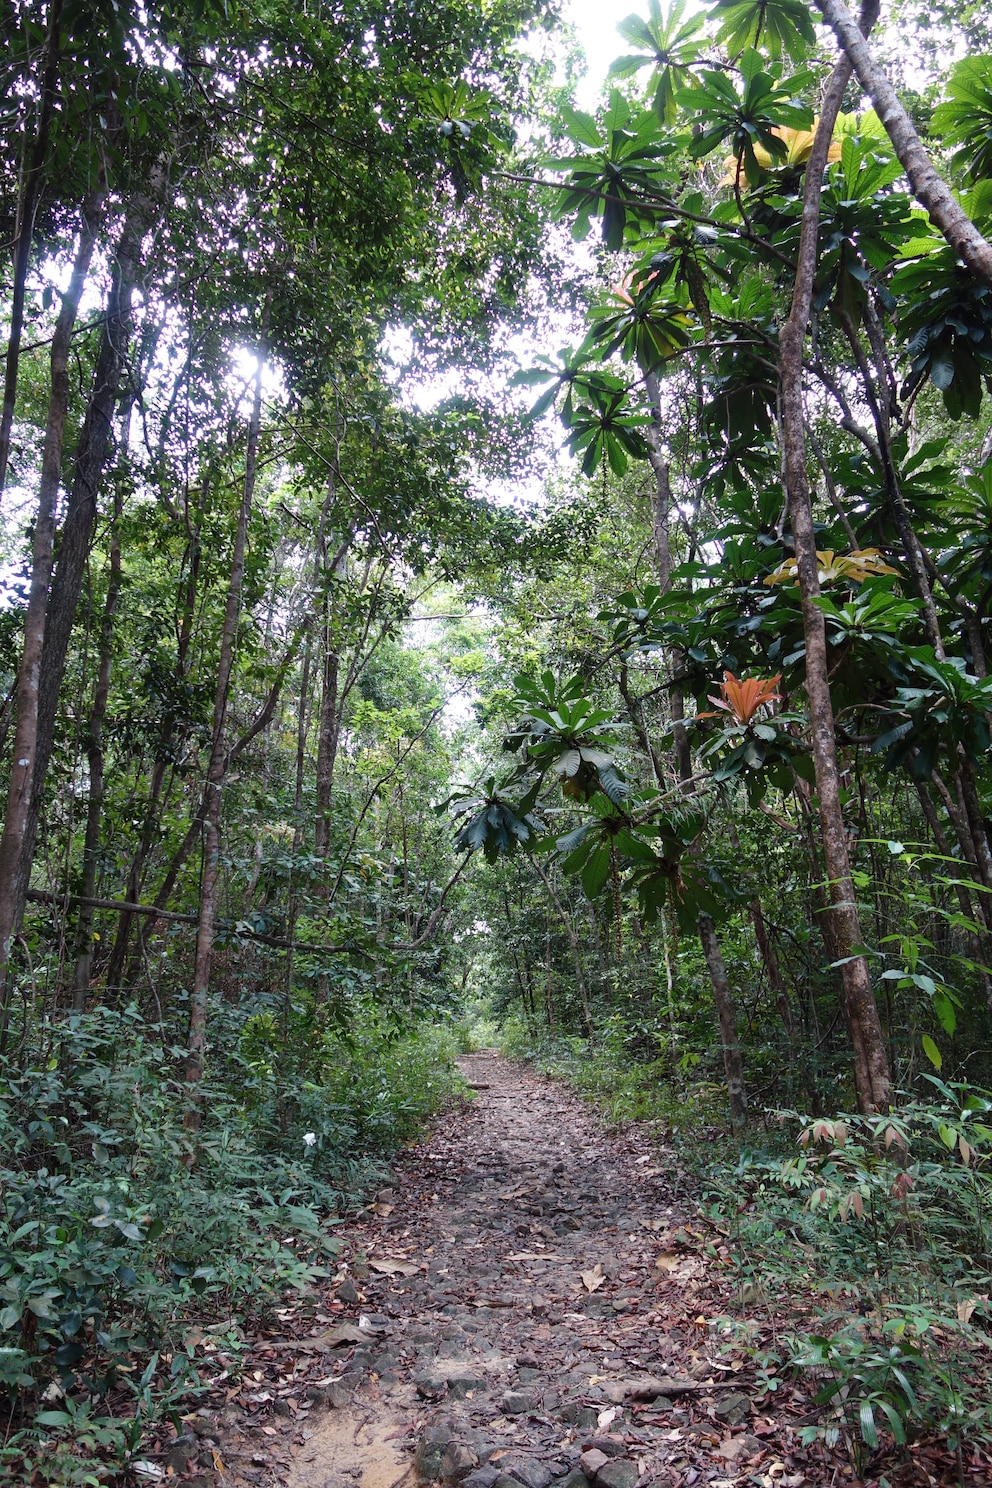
x=527, y=1307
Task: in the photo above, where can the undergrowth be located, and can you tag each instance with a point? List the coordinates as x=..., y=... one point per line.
x=863, y=1246
x=117, y=1225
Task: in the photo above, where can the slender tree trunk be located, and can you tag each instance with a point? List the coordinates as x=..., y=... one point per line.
x=871, y=1068
x=329, y=716
x=197, y=1039
x=770, y=962
x=95, y=767
x=74, y=542
x=661, y=534
x=927, y=186
x=28, y=758
x=27, y=208
x=733, y=1064
x=574, y=947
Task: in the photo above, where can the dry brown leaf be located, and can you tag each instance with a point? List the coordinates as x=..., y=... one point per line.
x=334, y=1337
x=394, y=1268
x=966, y=1308
x=594, y=1278
x=667, y=1261
x=383, y=1210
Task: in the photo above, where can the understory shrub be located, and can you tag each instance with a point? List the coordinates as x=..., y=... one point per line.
x=115, y=1221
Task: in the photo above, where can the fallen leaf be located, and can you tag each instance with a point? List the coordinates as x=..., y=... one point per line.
x=606, y=1418
x=334, y=1337
x=394, y=1268
x=966, y=1308
x=594, y=1278
x=667, y=1261
x=383, y=1210
x=270, y=1431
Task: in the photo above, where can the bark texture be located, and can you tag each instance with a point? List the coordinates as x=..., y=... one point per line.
x=945, y=212
x=733, y=1063
x=871, y=1070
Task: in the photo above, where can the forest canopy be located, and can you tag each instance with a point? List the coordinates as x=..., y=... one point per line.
x=472, y=561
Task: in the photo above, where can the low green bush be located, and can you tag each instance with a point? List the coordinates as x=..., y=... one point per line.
x=116, y=1223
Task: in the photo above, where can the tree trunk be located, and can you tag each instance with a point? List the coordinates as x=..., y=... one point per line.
x=29, y=758
x=329, y=717
x=216, y=769
x=95, y=767
x=27, y=208
x=573, y=942
x=770, y=962
x=871, y=1068
x=733, y=1064
x=661, y=534
x=55, y=628
x=926, y=184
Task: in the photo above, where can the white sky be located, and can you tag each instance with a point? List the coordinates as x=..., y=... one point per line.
x=596, y=23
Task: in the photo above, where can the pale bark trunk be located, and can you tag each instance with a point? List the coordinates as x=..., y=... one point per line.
x=196, y=1043
x=661, y=535
x=733, y=1063
x=95, y=767
x=28, y=760
x=871, y=1068
x=329, y=715
x=945, y=211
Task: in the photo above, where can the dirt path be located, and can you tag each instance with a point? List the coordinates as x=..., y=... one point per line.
x=528, y=1307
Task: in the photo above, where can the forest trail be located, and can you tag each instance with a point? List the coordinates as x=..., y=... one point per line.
x=530, y=1305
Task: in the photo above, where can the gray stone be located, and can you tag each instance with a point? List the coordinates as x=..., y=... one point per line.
x=591, y=1462
x=733, y=1409
x=619, y=1474
x=347, y=1291
x=430, y=1386
x=462, y=1385
x=182, y=1451
x=431, y=1449
x=587, y=1417
x=457, y=1462
x=525, y=1470
x=517, y=1402
x=527, y=1373
x=452, y=1348
x=482, y=1477
x=610, y=1446
x=575, y=1479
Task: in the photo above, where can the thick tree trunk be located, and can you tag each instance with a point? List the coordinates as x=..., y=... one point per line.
x=29, y=757
x=27, y=208
x=871, y=1068
x=927, y=186
x=733, y=1064
x=216, y=769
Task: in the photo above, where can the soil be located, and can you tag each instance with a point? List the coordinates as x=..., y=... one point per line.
x=535, y=1302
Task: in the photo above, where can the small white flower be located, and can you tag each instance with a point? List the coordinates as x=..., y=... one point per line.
x=309, y=1139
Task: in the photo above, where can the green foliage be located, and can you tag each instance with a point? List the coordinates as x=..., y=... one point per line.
x=965, y=119
x=670, y=44
x=109, y=1243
